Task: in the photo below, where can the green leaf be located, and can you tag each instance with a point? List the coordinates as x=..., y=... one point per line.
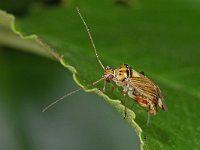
x=158, y=37
x=28, y=84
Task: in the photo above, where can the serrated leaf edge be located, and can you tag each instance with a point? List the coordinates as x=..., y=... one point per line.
x=115, y=103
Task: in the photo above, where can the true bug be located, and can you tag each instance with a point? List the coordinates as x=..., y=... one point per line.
x=138, y=87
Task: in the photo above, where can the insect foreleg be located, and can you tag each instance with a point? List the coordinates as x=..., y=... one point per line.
x=113, y=88
x=125, y=111
x=104, y=86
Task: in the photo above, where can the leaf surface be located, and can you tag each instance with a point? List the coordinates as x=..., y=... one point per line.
x=159, y=38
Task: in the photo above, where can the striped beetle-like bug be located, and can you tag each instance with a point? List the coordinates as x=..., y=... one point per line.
x=138, y=87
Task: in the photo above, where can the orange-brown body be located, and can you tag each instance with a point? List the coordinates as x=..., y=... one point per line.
x=144, y=91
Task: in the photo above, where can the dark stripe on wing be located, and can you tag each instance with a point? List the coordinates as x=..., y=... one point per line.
x=146, y=87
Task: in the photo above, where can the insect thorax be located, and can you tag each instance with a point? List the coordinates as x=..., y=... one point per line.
x=123, y=73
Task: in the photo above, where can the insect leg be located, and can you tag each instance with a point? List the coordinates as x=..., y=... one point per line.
x=143, y=103
x=113, y=88
x=104, y=86
x=148, y=118
x=125, y=110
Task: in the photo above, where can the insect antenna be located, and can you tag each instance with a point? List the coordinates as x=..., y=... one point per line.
x=70, y=93
x=95, y=50
x=91, y=39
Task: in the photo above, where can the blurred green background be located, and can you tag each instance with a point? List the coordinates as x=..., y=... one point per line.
x=80, y=122
x=160, y=37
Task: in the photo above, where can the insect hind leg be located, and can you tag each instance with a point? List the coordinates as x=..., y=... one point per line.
x=148, y=118
x=143, y=103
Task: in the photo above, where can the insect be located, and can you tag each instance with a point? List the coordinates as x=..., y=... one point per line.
x=134, y=84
